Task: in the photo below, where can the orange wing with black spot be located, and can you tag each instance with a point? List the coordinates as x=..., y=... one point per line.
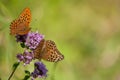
x=48, y=51
x=20, y=26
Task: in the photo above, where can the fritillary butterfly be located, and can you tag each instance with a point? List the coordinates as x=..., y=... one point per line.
x=48, y=51
x=20, y=26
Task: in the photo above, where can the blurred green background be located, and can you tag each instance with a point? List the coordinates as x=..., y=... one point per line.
x=87, y=32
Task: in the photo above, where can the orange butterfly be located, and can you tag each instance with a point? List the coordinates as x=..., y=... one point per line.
x=48, y=51
x=20, y=26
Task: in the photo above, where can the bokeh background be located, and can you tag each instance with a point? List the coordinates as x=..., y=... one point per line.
x=87, y=32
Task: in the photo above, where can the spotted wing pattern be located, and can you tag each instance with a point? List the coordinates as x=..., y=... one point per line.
x=48, y=51
x=20, y=26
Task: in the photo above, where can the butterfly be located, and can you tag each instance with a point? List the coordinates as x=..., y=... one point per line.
x=48, y=51
x=20, y=26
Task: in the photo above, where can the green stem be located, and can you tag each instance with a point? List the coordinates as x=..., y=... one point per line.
x=14, y=69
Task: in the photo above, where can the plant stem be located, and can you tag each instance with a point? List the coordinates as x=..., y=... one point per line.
x=14, y=69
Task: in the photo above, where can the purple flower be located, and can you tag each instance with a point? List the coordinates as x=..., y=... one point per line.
x=21, y=38
x=26, y=57
x=39, y=71
x=33, y=39
x=20, y=57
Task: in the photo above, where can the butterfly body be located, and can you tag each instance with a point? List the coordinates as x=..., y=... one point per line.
x=20, y=26
x=48, y=51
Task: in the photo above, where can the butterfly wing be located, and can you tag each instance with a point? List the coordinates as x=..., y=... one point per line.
x=25, y=16
x=20, y=26
x=38, y=51
x=50, y=52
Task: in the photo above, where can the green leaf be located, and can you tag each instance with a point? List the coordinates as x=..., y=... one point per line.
x=16, y=64
x=26, y=77
x=22, y=45
x=27, y=72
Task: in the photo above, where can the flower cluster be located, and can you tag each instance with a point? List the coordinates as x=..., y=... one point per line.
x=33, y=39
x=39, y=70
x=30, y=42
x=26, y=57
x=21, y=38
